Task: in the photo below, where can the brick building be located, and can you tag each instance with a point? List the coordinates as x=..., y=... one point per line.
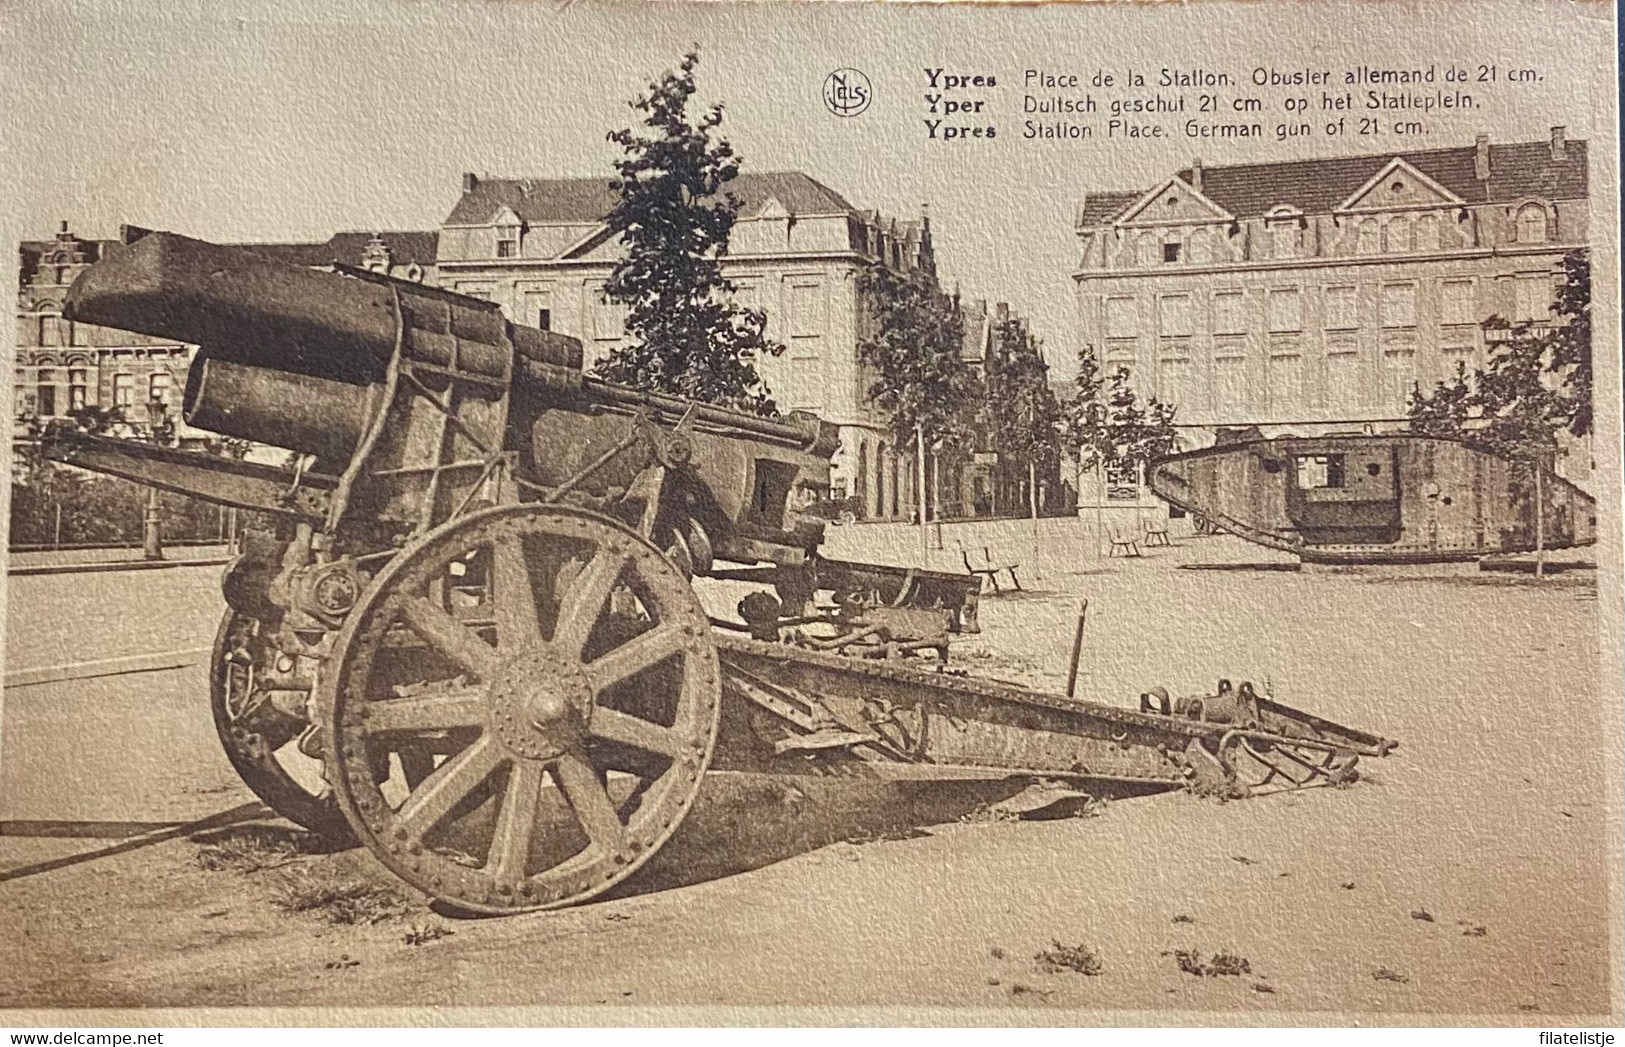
x=1312, y=296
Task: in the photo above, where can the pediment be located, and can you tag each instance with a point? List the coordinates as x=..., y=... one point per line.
x=1397, y=185
x=1175, y=200
x=772, y=208
x=505, y=216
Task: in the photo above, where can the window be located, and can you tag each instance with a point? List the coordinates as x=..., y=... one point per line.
x=1174, y=381
x=1398, y=305
x=1343, y=380
x=544, y=319
x=1201, y=246
x=1174, y=315
x=1285, y=312
x=1368, y=237
x=46, y=386
x=78, y=388
x=1229, y=313
x=1532, y=297
x=50, y=330
x=1285, y=382
x=1456, y=305
x=1170, y=251
x=1427, y=233
x=1399, y=377
x=607, y=323
x=1230, y=384
x=806, y=309
x=507, y=241
x=1342, y=308
x=1320, y=471
x=1122, y=320
x=158, y=387
x=1398, y=234
x=1531, y=224
x=1284, y=238
x=124, y=390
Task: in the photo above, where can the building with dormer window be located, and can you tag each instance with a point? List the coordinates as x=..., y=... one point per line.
x=1312, y=296
x=541, y=249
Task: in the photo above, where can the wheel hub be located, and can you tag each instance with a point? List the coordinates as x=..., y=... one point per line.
x=540, y=703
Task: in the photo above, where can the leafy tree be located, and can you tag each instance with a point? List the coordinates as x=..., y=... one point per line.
x=1108, y=426
x=1536, y=385
x=915, y=349
x=691, y=339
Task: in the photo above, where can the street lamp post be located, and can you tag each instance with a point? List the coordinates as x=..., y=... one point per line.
x=151, y=541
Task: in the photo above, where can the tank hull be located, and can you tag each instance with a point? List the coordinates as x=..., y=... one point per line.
x=1377, y=499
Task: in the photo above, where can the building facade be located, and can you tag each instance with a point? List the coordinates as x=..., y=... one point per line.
x=62, y=366
x=1313, y=296
x=540, y=248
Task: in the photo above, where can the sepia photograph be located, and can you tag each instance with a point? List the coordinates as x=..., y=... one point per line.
x=793, y=513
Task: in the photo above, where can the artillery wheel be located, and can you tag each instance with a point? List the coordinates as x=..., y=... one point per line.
x=260, y=739
x=561, y=673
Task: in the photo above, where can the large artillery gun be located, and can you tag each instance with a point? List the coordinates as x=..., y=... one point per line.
x=479, y=612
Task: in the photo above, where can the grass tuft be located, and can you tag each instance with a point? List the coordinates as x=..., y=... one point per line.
x=345, y=902
x=1220, y=964
x=1078, y=958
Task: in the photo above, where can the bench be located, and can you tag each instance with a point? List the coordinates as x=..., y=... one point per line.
x=1123, y=543
x=988, y=569
x=1156, y=533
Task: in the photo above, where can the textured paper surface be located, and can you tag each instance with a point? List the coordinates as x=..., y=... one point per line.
x=1472, y=878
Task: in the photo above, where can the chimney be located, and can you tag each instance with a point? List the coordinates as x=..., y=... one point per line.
x=1481, y=158
x=1196, y=174
x=469, y=181
x=1557, y=143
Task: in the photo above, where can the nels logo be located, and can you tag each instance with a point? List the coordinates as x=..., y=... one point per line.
x=847, y=92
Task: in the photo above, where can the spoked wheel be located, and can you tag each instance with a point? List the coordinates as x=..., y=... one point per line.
x=260, y=730
x=553, y=678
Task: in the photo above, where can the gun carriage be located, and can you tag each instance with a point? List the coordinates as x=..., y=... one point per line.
x=494, y=604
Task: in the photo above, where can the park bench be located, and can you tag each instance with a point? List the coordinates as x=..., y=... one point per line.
x=1156, y=532
x=988, y=568
x=1124, y=543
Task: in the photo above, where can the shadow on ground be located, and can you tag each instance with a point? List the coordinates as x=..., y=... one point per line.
x=742, y=822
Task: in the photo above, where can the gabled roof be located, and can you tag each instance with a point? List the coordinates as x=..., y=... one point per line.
x=1430, y=192
x=587, y=200
x=1182, y=190
x=1517, y=170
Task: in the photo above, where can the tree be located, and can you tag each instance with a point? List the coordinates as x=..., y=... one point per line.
x=1117, y=433
x=915, y=349
x=691, y=339
x=1536, y=385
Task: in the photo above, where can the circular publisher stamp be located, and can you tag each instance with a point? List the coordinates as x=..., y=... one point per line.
x=847, y=92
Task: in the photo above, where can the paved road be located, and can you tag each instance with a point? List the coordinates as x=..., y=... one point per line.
x=1491, y=815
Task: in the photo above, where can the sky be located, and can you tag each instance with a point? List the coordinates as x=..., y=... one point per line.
x=281, y=120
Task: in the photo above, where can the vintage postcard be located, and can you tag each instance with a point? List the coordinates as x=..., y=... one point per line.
x=796, y=513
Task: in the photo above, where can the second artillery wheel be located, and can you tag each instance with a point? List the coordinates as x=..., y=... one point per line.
x=260, y=736
x=521, y=708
